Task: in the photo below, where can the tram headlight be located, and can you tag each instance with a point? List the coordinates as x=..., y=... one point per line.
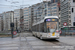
x=57, y=34
x=48, y=35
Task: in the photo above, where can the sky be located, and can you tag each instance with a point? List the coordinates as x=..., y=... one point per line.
x=10, y=5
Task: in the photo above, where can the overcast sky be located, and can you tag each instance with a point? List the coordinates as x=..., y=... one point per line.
x=8, y=5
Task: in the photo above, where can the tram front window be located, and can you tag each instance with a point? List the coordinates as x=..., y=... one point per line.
x=51, y=26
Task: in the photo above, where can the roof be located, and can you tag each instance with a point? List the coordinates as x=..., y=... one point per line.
x=38, y=22
x=51, y=17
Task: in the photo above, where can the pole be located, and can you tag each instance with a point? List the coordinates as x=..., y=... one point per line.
x=12, y=28
x=16, y=24
x=12, y=31
x=11, y=23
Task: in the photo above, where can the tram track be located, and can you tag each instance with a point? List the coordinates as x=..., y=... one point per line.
x=60, y=44
x=47, y=45
x=28, y=46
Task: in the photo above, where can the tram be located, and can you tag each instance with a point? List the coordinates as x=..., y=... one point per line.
x=48, y=28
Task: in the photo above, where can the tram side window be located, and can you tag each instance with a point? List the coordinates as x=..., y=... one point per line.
x=45, y=29
x=42, y=27
x=35, y=28
x=38, y=27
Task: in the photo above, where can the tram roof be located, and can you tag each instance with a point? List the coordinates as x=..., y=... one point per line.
x=51, y=17
x=38, y=22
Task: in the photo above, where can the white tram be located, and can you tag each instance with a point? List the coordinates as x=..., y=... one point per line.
x=48, y=28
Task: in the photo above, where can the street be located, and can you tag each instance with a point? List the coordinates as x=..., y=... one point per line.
x=28, y=42
x=37, y=25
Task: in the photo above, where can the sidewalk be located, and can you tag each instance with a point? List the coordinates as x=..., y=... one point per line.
x=9, y=44
x=67, y=39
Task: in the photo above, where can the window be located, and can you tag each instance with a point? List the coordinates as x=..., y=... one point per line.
x=55, y=11
x=49, y=14
x=54, y=8
x=51, y=26
x=73, y=0
x=74, y=18
x=56, y=0
x=72, y=10
x=48, y=8
x=48, y=11
x=52, y=1
x=73, y=23
x=64, y=0
x=59, y=8
x=45, y=5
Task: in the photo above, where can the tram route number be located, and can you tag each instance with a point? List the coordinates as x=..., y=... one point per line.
x=53, y=34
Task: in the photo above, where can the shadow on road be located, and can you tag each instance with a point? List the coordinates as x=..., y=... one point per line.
x=51, y=40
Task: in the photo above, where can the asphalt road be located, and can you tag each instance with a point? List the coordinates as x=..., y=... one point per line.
x=29, y=42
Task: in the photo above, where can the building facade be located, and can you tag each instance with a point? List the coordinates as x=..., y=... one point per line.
x=26, y=18
x=18, y=13
x=1, y=22
x=73, y=12
x=30, y=17
x=65, y=12
x=7, y=19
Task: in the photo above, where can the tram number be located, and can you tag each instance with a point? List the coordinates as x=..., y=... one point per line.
x=53, y=34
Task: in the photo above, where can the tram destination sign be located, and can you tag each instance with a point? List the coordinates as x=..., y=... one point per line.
x=51, y=20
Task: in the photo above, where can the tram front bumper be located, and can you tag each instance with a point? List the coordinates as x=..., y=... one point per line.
x=47, y=36
x=50, y=37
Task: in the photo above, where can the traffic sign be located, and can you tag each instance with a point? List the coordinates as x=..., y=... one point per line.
x=65, y=24
x=14, y=32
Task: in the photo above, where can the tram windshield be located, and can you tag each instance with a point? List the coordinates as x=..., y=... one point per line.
x=51, y=26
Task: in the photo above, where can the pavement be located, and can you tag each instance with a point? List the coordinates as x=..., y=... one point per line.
x=7, y=43
x=68, y=40
x=28, y=42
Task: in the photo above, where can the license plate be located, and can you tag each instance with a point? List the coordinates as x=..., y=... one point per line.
x=53, y=34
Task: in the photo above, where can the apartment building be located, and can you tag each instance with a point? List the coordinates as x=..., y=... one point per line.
x=26, y=18
x=72, y=12
x=1, y=22
x=7, y=19
x=18, y=13
x=65, y=12
x=31, y=17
